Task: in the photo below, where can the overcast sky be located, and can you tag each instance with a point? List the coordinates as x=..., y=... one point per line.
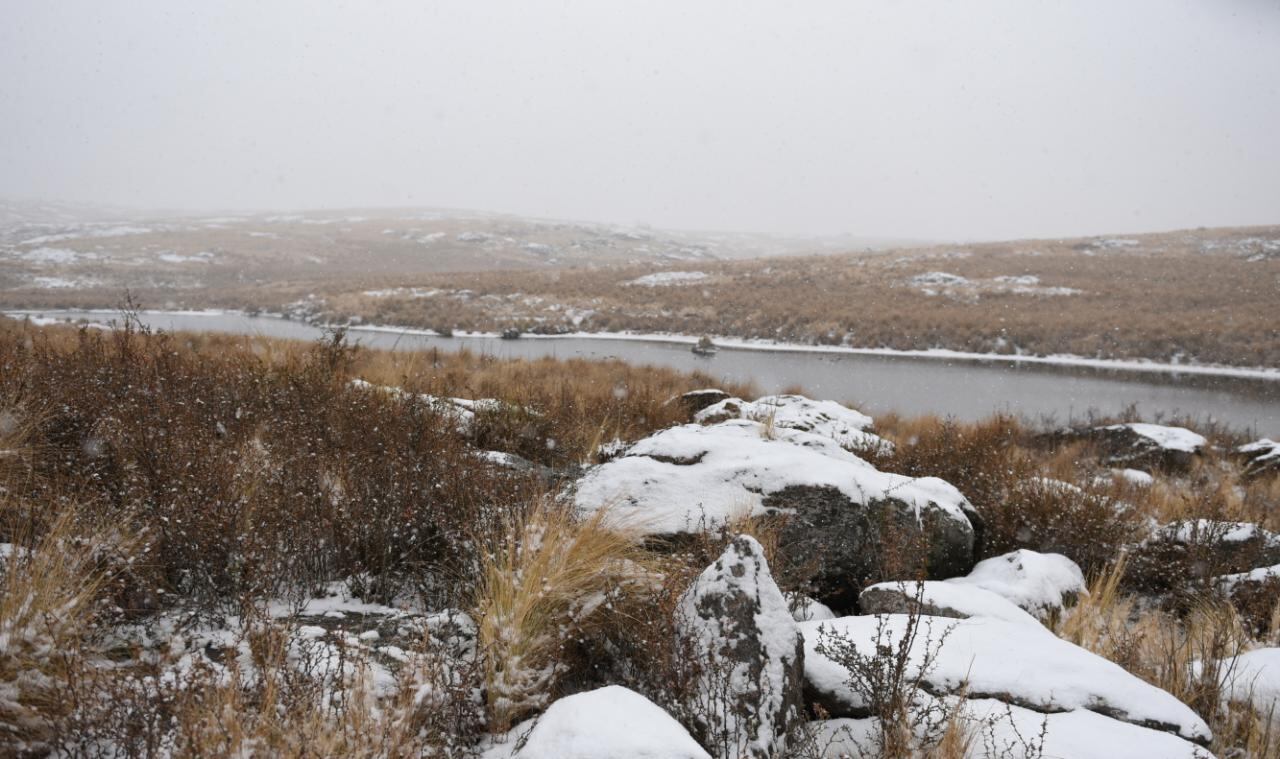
x=976, y=119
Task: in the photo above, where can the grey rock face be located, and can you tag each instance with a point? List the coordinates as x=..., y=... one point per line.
x=749, y=652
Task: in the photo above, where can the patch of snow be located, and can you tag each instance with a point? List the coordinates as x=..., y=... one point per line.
x=1137, y=477
x=52, y=256
x=667, y=279
x=1253, y=677
x=939, y=279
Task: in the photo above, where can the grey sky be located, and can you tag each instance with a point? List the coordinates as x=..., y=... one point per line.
x=976, y=119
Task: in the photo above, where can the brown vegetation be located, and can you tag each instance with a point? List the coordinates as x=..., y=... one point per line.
x=151, y=480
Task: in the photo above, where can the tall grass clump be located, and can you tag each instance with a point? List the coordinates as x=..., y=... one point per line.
x=549, y=577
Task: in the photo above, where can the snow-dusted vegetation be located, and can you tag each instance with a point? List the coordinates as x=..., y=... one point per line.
x=230, y=546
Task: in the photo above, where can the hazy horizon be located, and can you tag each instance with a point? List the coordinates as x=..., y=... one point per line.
x=934, y=121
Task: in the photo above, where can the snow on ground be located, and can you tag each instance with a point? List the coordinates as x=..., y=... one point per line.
x=690, y=478
x=1167, y=438
x=1013, y=662
x=1036, y=582
x=53, y=255
x=1136, y=477
x=941, y=282
x=1254, y=677
x=796, y=412
x=939, y=279
x=667, y=278
x=607, y=723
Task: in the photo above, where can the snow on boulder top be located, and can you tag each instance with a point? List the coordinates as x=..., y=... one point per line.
x=608, y=723
x=1006, y=661
x=944, y=599
x=1040, y=583
x=796, y=412
x=693, y=478
x=1166, y=438
x=667, y=278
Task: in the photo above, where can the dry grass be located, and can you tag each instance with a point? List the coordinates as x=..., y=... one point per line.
x=233, y=471
x=543, y=582
x=51, y=582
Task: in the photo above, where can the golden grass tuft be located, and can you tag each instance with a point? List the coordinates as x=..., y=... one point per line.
x=550, y=575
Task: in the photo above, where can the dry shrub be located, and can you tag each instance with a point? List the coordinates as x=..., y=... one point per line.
x=1186, y=652
x=52, y=579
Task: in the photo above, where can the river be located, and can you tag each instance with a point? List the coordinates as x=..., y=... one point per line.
x=909, y=385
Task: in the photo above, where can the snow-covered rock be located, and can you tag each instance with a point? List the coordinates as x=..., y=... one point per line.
x=942, y=599
x=692, y=478
x=749, y=651
x=1260, y=456
x=1040, y=583
x=608, y=723
x=1004, y=661
x=1148, y=445
x=796, y=412
x=1004, y=731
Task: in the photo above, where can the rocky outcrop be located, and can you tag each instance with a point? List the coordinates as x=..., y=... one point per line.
x=748, y=651
x=843, y=520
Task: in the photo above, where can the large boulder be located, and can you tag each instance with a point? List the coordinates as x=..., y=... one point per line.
x=841, y=516
x=989, y=658
x=1043, y=584
x=1142, y=445
x=608, y=723
x=749, y=654
x=796, y=412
